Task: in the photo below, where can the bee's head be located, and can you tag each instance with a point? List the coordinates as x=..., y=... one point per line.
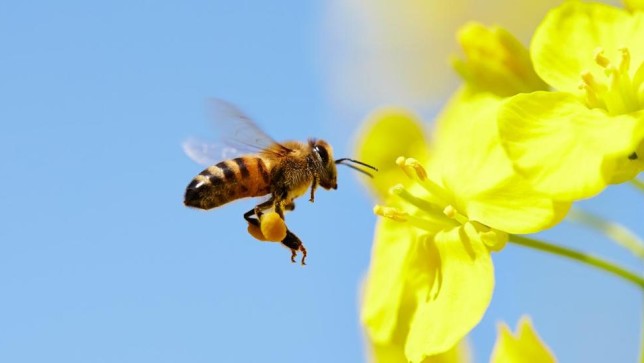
x=328, y=174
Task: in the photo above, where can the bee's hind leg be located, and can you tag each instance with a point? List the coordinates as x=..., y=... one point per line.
x=253, y=215
x=257, y=211
x=248, y=216
x=294, y=244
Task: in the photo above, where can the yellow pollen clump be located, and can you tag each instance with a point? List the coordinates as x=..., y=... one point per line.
x=271, y=229
x=256, y=232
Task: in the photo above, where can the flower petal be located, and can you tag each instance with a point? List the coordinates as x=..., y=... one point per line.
x=460, y=353
x=465, y=140
x=513, y=206
x=386, y=135
x=565, y=43
x=454, y=302
x=634, y=5
x=384, y=286
x=565, y=149
x=471, y=162
x=526, y=347
x=495, y=61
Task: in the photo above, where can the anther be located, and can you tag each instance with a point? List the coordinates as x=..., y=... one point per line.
x=452, y=213
x=600, y=58
x=408, y=164
x=418, y=168
x=589, y=80
x=625, y=62
x=391, y=213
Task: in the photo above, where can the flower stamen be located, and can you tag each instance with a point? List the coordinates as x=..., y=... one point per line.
x=452, y=213
x=409, y=165
x=391, y=213
x=398, y=215
x=400, y=191
x=415, y=171
x=618, y=93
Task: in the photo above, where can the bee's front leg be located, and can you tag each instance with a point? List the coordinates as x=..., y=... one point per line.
x=314, y=185
x=289, y=206
x=294, y=244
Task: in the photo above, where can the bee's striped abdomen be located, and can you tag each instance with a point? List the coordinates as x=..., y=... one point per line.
x=228, y=180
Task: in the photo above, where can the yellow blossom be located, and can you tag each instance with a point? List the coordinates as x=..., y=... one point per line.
x=523, y=347
x=431, y=276
x=593, y=122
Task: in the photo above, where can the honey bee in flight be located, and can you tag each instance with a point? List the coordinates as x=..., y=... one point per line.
x=284, y=171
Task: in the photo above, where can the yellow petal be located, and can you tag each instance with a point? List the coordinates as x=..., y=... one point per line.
x=495, y=61
x=565, y=43
x=386, y=135
x=565, y=149
x=460, y=353
x=461, y=281
x=383, y=295
x=469, y=159
x=634, y=5
x=525, y=347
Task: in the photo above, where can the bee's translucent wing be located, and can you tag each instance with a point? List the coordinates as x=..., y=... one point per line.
x=207, y=152
x=239, y=131
x=236, y=134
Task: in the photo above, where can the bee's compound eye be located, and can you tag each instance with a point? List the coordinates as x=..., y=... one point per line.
x=324, y=155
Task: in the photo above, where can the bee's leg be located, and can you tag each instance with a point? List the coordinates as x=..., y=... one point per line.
x=313, y=186
x=282, y=205
x=293, y=242
x=248, y=217
x=289, y=206
x=252, y=216
x=265, y=205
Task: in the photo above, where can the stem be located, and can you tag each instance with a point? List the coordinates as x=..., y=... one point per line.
x=642, y=341
x=581, y=257
x=639, y=184
x=613, y=230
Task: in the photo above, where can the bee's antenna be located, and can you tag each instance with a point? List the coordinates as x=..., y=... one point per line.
x=342, y=161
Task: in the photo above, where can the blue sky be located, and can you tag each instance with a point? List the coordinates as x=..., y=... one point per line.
x=101, y=262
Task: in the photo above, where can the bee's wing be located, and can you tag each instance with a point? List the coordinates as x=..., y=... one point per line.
x=237, y=134
x=207, y=152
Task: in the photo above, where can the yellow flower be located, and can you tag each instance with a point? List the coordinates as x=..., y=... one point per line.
x=524, y=347
x=634, y=5
x=589, y=132
x=431, y=276
x=495, y=61
x=460, y=353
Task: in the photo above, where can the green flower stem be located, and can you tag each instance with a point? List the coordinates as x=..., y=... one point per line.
x=581, y=257
x=613, y=230
x=642, y=341
x=639, y=184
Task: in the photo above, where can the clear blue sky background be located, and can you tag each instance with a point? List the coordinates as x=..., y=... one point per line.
x=101, y=262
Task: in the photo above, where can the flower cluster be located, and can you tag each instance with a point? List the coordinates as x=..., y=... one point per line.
x=531, y=131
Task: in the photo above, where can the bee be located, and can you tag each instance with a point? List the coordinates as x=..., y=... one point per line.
x=283, y=171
